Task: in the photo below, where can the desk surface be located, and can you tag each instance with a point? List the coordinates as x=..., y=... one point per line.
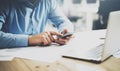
x=63, y=64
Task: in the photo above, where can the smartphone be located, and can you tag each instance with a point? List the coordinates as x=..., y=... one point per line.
x=66, y=35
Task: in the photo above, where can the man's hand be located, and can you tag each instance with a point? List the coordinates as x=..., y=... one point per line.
x=44, y=38
x=63, y=41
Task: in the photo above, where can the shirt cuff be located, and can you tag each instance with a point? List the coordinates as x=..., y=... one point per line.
x=21, y=40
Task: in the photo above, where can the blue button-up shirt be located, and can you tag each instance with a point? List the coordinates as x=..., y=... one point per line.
x=20, y=18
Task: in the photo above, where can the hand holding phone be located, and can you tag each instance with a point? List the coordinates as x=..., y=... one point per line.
x=66, y=35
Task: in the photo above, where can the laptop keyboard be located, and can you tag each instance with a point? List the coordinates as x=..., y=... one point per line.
x=91, y=54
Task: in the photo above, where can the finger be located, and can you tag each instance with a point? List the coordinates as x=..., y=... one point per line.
x=69, y=37
x=43, y=40
x=60, y=42
x=55, y=33
x=50, y=37
x=47, y=38
x=64, y=31
x=63, y=40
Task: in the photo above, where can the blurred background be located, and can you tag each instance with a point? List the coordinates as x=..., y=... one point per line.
x=87, y=15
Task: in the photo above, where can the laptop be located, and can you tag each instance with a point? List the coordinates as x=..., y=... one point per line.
x=100, y=49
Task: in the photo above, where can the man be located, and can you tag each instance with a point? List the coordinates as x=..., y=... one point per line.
x=22, y=23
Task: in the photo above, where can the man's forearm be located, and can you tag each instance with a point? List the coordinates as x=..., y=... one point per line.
x=8, y=40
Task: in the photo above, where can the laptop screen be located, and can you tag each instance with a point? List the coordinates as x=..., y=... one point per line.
x=112, y=42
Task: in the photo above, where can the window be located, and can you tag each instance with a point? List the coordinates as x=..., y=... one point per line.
x=76, y=1
x=91, y=1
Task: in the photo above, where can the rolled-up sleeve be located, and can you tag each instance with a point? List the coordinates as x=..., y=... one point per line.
x=58, y=18
x=21, y=40
x=8, y=40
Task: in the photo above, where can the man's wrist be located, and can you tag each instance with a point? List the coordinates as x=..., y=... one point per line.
x=30, y=41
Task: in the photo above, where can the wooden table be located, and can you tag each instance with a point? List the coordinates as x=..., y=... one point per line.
x=63, y=64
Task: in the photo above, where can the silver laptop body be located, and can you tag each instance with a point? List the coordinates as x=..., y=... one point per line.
x=103, y=50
